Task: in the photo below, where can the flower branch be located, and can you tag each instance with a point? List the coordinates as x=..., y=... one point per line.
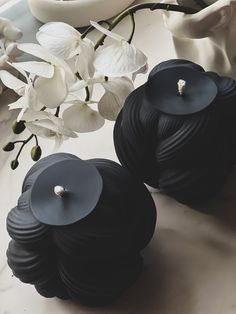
x=201, y=3
x=142, y=6
x=133, y=28
x=51, y=99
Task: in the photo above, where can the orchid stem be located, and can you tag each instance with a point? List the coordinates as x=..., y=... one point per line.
x=87, y=97
x=15, y=142
x=23, y=145
x=78, y=75
x=133, y=28
x=87, y=31
x=201, y=3
x=57, y=111
x=36, y=140
x=152, y=6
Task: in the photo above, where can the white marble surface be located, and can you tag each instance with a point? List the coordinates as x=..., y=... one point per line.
x=190, y=265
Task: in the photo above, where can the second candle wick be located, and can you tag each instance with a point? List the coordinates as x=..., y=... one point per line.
x=181, y=87
x=59, y=190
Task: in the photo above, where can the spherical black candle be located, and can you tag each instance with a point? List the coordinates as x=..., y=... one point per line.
x=78, y=229
x=177, y=132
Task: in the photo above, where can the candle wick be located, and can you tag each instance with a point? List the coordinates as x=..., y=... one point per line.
x=181, y=87
x=59, y=190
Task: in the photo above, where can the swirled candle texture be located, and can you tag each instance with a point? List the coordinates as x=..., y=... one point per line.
x=186, y=152
x=94, y=259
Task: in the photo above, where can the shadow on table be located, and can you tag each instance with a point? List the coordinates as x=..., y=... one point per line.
x=223, y=207
x=163, y=287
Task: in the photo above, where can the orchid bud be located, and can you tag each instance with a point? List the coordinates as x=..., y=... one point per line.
x=8, y=147
x=36, y=153
x=18, y=127
x=14, y=164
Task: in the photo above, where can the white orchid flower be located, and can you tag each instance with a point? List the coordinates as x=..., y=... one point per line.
x=116, y=91
x=76, y=91
x=65, y=42
x=8, y=30
x=8, y=53
x=142, y=70
x=60, y=39
x=81, y=118
x=112, y=101
x=54, y=79
x=29, y=98
x=9, y=34
x=46, y=125
x=118, y=59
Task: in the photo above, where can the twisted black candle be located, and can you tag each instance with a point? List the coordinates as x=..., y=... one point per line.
x=183, y=145
x=93, y=259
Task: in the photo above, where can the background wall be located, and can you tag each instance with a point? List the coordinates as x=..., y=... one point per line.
x=3, y=1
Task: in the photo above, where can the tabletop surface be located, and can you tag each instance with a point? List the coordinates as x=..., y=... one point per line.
x=190, y=264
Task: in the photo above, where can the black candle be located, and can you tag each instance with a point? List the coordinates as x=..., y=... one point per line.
x=177, y=131
x=85, y=243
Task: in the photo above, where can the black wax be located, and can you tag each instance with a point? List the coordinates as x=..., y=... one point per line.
x=187, y=156
x=161, y=90
x=93, y=260
x=78, y=200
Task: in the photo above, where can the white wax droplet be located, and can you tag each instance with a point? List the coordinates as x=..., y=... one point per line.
x=59, y=190
x=181, y=86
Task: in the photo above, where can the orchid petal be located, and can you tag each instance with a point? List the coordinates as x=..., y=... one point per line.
x=60, y=127
x=49, y=129
x=20, y=103
x=78, y=85
x=111, y=103
x=73, y=97
x=60, y=46
x=109, y=107
x=37, y=51
x=59, y=29
x=76, y=91
x=10, y=80
x=9, y=30
x=58, y=142
x=142, y=70
x=120, y=86
x=106, y=31
x=85, y=59
x=67, y=132
x=141, y=59
x=72, y=63
x=12, y=50
x=31, y=115
x=119, y=59
x=32, y=100
x=21, y=71
x=41, y=128
x=52, y=92
x=39, y=68
x=42, y=53
x=4, y=61
x=81, y=118
x=20, y=115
